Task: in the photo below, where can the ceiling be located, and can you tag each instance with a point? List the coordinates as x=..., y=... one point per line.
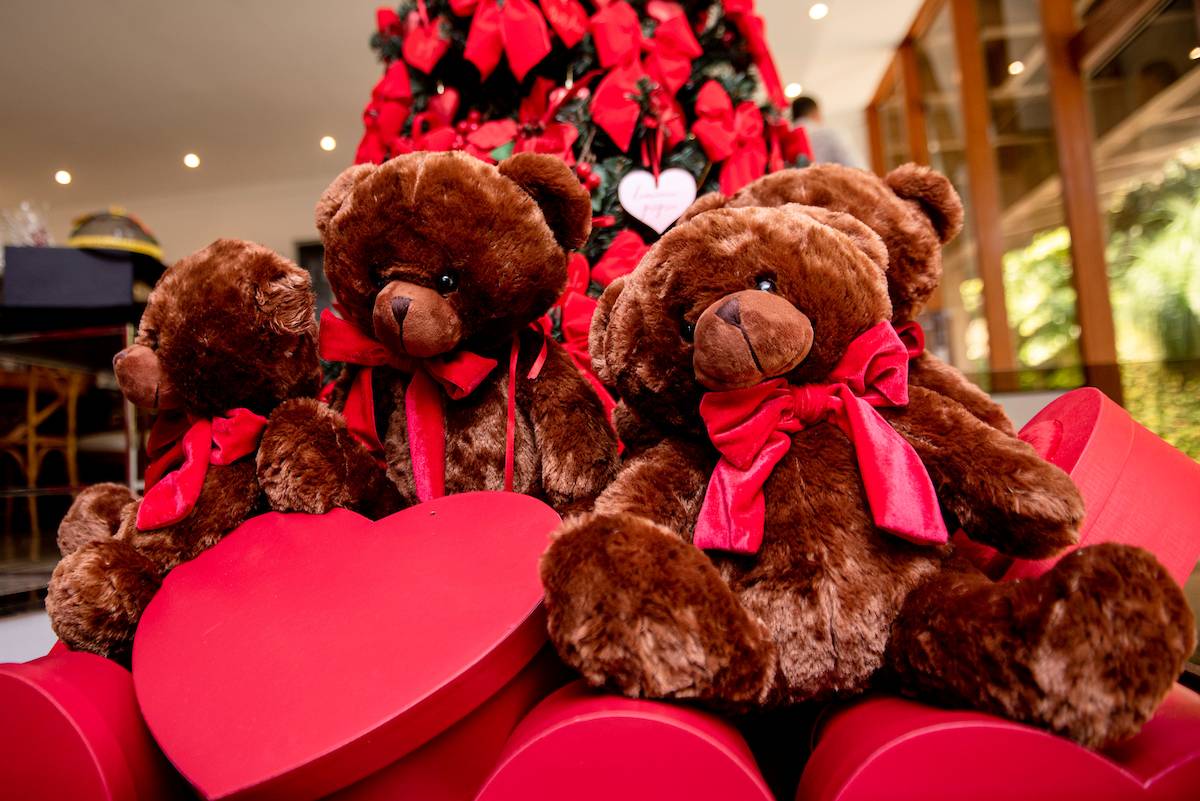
x=117, y=92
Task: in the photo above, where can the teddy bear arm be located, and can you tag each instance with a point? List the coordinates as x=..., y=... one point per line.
x=577, y=446
x=1086, y=650
x=664, y=484
x=309, y=462
x=995, y=486
x=930, y=372
x=95, y=514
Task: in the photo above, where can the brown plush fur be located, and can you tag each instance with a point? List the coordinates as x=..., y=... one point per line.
x=830, y=604
x=915, y=211
x=229, y=326
x=431, y=253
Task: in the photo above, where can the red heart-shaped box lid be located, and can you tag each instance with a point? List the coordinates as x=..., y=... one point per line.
x=302, y=653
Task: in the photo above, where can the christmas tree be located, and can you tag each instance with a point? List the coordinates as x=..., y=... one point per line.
x=673, y=98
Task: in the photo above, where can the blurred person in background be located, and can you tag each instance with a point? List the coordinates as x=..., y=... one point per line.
x=828, y=146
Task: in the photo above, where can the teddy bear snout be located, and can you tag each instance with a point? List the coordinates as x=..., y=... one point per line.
x=415, y=320
x=140, y=376
x=748, y=337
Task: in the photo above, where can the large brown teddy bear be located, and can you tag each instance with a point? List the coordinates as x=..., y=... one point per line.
x=228, y=334
x=441, y=265
x=825, y=509
x=915, y=211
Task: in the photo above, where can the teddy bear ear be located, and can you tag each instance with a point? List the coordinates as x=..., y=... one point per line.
x=859, y=232
x=336, y=193
x=565, y=204
x=934, y=193
x=598, y=333
x=287, y=299
x=713, y=200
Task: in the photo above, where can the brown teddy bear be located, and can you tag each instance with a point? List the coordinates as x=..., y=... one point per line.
x=786, y=540
x=228, y=334
x=441, y=265
x=915, y=211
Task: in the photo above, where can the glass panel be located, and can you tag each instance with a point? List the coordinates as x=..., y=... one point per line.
x=893, y=122
x=954, y=321
x=1038, y=283
x=1146, y=113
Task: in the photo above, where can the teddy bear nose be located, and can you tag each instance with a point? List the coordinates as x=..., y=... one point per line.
x=731, y=312
x=400, y=309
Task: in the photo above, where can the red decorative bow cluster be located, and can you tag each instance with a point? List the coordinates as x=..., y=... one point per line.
x=385, y=115
x=536, y=130
x=517, y=29
x=729, y=135
x=741, y=13
x=664, y=60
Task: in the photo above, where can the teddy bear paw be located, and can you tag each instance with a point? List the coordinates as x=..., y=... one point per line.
x=635, y=608
x=304, y=459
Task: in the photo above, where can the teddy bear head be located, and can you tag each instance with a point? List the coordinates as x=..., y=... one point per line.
x=734, y=297
x=913, y=209
x=229, y=326
x=430, y=251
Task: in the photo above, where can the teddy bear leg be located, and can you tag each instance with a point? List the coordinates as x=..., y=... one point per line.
x=635, y=608
x=309, y=462
x=95, y=514
x=1087, y=650
x=97, y=595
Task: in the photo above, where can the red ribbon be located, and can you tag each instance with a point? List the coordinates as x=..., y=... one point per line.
x=424, y=42
x=787, y=144
x=536, y=131
x=731, y=136
x=385, y=115
x=567, y=18
x=741, y=13
x=752, y=428
x=515, y=28
x=181, y=449
x=456, y=376
x=667, y=64
x=623, y=254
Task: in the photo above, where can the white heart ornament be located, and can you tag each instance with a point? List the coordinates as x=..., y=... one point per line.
x=657, y=205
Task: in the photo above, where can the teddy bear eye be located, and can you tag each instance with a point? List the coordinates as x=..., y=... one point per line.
x=447, y=282
x=687, y=330
x=765, y=285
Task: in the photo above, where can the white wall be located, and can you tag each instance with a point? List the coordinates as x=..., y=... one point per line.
x=277, y=215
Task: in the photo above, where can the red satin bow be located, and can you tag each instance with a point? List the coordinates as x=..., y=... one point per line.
x=537, y=131
x=181, y=449
x=787, y=144
x=752, y=428
x=515, y=28
x=741, y=13
x=456, y=375
x=623, y=254
x=734, y=137
x=424, y=44
x=667, y=64
x=385, y=115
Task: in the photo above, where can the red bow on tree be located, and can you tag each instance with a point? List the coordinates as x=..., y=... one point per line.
x=623, y=254
x=664, y=60
x=424, y=42
x=741, y=13
x=385, y=115
x=752, y=428
x=537, y=131
x=787, y=144
x=515, y=28
x=734, y=137
x=181, y=450
x=433, y=128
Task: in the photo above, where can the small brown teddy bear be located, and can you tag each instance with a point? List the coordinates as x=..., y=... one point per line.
x=441, y=265
x=228, y=334
x=786, y=540
x=915, y=211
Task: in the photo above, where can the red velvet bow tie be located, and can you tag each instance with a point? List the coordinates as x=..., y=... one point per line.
x=456, y=376
x=190, y=445
x=752, y=428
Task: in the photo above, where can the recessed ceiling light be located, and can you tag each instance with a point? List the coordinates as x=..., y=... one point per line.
x=191, y=160
x=1016, y=68
x=793, y=90
x=328, y=143
x=1194, y=53
x=63, y=177
x=818, y=11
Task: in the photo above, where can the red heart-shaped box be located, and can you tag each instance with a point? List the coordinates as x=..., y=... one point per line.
x=302, y=654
